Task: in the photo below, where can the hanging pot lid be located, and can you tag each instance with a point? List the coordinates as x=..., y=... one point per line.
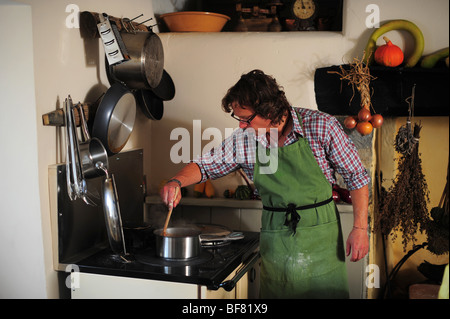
x=114, y=118
x=151, y=105
x=111, y=210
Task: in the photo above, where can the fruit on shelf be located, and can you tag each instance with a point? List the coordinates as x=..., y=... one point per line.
x=430, y=60
x=243, y=192
x=228, y=193
x=388, y=54
x=199, y=189
x=406, y=25
x=209, y=189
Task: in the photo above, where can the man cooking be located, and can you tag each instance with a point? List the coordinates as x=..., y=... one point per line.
x=301, y=242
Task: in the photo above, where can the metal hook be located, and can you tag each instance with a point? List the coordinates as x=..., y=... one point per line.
x=137, y=17
x=124, y=21
x=145, y=21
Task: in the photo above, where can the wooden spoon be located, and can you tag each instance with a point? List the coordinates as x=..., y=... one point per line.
x=169, y=213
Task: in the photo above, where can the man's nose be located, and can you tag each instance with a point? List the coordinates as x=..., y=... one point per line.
x=243, y=125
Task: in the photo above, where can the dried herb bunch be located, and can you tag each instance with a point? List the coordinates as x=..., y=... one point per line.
x=358, y=76
x=404, y=206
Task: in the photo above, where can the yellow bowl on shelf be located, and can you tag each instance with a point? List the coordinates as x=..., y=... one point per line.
x=194, y=21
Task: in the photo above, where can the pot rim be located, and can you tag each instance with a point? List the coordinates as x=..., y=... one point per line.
x=186, y=232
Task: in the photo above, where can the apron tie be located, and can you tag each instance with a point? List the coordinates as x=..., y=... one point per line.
x=291, y=210
x=295, y=217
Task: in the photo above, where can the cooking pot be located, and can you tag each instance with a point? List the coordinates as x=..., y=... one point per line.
x=146, y=64
x=179, y=243
x=91, y=150
x=183, y=243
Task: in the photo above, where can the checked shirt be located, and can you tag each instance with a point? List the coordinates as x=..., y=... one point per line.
x=332, y=149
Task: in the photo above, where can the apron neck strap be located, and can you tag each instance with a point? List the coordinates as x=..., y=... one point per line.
x=299, y=118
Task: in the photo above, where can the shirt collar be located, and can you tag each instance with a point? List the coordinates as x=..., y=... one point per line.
x=297, y=128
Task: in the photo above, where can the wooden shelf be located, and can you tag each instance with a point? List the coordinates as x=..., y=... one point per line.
x=391, y=87
x=227, y=202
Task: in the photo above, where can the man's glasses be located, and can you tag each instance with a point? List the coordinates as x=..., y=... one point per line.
x=248, y=121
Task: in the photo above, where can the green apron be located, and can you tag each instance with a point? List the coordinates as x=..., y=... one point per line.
x=302, y=249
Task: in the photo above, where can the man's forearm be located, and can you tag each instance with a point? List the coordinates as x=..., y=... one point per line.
x=360, y=202
x=188, y=175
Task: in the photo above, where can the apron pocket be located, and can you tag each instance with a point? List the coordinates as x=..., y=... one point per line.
x=311, y=252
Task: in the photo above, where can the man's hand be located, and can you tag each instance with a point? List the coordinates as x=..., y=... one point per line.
x=357, y=244
x=358, y=240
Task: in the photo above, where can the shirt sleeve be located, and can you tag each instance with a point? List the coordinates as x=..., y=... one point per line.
x=344, y=157
x=219, y=161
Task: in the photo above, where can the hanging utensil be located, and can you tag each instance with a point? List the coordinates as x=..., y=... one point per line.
x=80, y=156
x=151, y=105
x=145, y=68
x=165, y=90
x=112, y=42
x=91, y=150
x=114, y=118
x=111, y=210
x=73, y=168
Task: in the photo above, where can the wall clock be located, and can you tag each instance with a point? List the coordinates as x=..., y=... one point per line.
x=305, y=12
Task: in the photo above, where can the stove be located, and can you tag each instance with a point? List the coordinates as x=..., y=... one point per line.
x=80, y=240
x=210, y=268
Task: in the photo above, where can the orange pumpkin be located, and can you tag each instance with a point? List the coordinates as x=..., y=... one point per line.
x=388, y=54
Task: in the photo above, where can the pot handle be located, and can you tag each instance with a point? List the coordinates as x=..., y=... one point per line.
x=230, y=284
x=73, y=166
x=232, y=236
x=84, y=128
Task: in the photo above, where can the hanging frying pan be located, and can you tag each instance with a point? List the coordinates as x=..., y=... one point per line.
x=114, y=118
x=165, y=90
x=151, y=105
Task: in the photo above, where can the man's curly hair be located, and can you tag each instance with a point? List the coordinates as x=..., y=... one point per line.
x=260, y=92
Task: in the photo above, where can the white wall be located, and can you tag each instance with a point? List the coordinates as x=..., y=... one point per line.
x=203, y=67
x=21, y=246
x=63, y=64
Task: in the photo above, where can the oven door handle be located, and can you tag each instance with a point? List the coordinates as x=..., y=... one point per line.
x=230, y=284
